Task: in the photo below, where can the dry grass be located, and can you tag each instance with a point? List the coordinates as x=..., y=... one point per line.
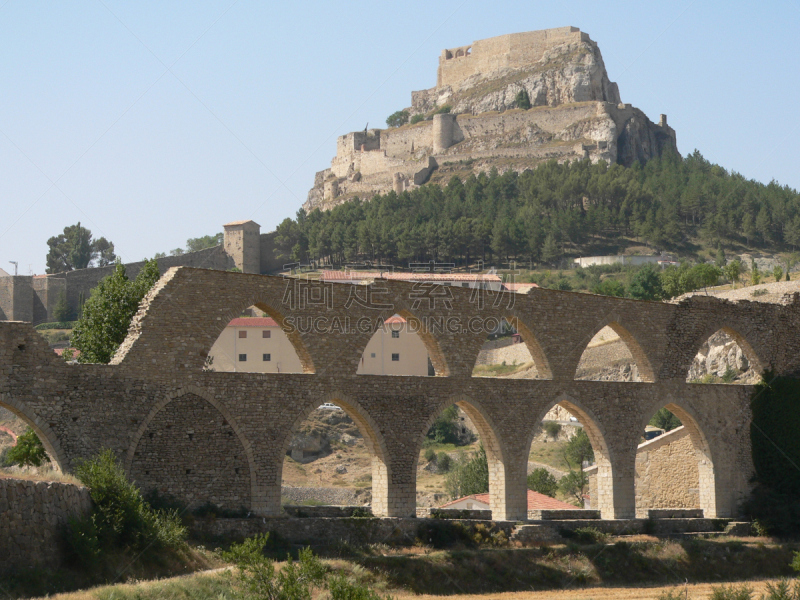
x=44, y=473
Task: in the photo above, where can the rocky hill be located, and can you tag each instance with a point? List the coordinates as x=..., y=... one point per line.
x=507, y=103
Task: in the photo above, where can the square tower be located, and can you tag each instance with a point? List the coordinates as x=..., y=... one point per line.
x=243, y=244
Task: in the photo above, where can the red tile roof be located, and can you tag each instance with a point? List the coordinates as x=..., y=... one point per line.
x=60, y=352
x=359, y=275
x=395, y=319
x=253, y=322
x=536, y=501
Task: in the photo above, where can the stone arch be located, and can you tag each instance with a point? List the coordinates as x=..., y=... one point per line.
x=459, y=52
x=495, y=453
x=40, y=428
x=431, y=343
x=707, y=491
x=602, y=452
x=640, y=358
x=291, y=332
x=747, y=349
x=381, y=466
x=538, y=356
x=255, y=501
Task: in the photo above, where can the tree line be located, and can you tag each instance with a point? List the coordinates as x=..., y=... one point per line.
x=671, y=203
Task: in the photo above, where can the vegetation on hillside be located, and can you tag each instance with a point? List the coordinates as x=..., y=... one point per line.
x=672, y=203
x=27, y=452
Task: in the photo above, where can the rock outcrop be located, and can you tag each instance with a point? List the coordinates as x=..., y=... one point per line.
x=509, y=103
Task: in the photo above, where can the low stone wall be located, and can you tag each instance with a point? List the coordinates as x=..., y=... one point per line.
x=455, y=513
x=330, y=512
x=32, y=515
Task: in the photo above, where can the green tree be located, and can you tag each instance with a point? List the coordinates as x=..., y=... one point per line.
x=646, y=284
x=550, y=251
x=579, y=450
x=396, y=119
x=61, y=311
x=777, y=272
x=703, y=276
x=522, y=99
x=755, y=274
x=107, y=313
x=28, y=451
x=721, y=261
x=417, y=118
x=76, y=249
x=573, y=485
x=470, y=475
x=445, y=428
x=732, y=271
x=664, y=419
x=542, y=481
x=206, y=241
x=609, y=287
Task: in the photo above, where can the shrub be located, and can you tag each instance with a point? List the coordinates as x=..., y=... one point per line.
x=443, y=110
x=430, y=455
x=120, y=518
x=782, y=590
x=29, y=451
x=522, y=99
x=542, y=481
x=417, y=118
x=470, y=475
x=664, y=419
x=731, y=592
x=256, y=573
x=552, y=428
x=589, y=535
x=443, y=462
x=396, y=119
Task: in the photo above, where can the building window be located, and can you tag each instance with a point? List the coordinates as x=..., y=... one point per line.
x=243, y=358
x=464, y=285
x=266, y=334
x=395, y=333
x=266, y=357
x=372, y=355
x=395, y=357
x=242, y=334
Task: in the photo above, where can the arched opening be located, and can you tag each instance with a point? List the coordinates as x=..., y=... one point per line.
x=569, y=465
x=510, y=351
x=15, y=420
x=256, y=341
x=460, y=462
x=190, y=452
x=396, y=348
x=613, y=354
x=459, y=52
x=725, y=357
x=402, y=345
x=674, y=469
x=334, y=456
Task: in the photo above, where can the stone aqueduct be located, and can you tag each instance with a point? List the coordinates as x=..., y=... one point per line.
x=221, y=437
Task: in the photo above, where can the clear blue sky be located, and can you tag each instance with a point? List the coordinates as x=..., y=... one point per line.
x=153, y=122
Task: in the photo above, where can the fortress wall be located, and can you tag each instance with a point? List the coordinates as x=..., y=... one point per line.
x=32, y=515
x=79, y=284
x=16, y=298
x=503, y=52
x=551, y=120
x=6, y=298
x=397, y=142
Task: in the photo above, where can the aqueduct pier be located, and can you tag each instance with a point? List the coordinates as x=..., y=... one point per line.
x=205, y=436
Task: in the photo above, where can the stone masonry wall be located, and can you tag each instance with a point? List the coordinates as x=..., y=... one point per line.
x=157, y=378
x=32, y=515
x=666, y=473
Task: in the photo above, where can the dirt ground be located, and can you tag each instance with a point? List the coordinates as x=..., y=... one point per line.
x=698, y=591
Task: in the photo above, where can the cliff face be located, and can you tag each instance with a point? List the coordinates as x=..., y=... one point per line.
x=569, y=72
x=472, y=117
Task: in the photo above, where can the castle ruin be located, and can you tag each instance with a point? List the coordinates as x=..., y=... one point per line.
x=470, y=121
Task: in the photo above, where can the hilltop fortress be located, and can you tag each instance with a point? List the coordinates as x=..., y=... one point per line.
x=471, y=120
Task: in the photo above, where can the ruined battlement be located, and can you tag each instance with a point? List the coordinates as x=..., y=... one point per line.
x=575, y=113
x=513, y=51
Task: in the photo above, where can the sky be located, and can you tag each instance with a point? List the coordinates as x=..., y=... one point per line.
x=155, y=122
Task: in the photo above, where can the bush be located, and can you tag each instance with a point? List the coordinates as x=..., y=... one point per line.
x=542, y=481
x=443, y=462
x=396, y=119
x=443, y=110
x=664, y=419
x=589, y=535
x=417, y=118
x=552, y=428
x=469, y=476
x=731, y=592
x=430, y=455
x=522, y=99
x=29, y=451
x=120, y=518
x=56, y=325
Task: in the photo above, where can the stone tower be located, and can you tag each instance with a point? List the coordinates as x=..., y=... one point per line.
x=242, y=243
